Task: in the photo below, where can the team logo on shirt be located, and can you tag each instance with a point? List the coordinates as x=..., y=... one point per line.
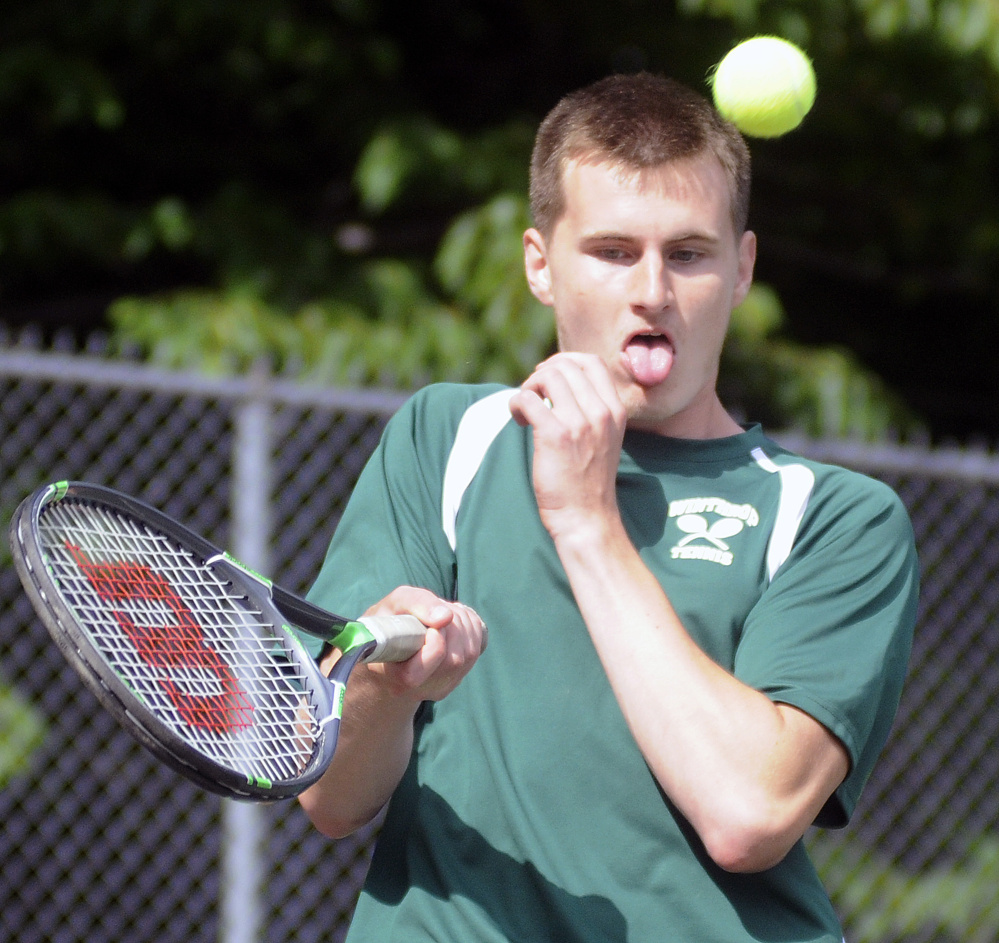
x=707, y=525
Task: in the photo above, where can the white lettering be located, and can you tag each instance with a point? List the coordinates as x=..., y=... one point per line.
x=724, y=557
x=743, y=512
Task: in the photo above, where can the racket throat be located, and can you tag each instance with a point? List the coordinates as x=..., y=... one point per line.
x=336, y=708
x=329, y=724
x=355, y=640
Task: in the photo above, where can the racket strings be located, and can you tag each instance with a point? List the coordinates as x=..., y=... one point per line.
x=166, y=646
x=198, y=656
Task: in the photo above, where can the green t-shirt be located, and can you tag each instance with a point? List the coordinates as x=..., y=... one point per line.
x=527, y=812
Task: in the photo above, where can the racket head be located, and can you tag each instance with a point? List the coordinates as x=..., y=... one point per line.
x=185, y=649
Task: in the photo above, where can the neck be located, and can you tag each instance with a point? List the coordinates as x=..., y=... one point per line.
x=711, y=423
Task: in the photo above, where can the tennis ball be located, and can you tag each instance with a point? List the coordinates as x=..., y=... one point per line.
x=765, y=86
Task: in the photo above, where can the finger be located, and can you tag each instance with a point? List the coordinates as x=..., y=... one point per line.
x=429, y=608
x=591, y=383
x=555, y=382
x=455, y=631
x=601, y=380
x=529, y=409
x=467, y=635
x=447, y=655
x=412, y=674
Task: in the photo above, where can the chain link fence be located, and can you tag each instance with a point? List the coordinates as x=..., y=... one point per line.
x=98, y=842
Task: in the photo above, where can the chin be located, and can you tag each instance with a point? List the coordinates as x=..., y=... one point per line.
x=647, y=416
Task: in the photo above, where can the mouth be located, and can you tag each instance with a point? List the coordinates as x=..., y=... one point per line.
x=649, y=356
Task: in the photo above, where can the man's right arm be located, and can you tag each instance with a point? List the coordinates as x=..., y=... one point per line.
x=376, y=733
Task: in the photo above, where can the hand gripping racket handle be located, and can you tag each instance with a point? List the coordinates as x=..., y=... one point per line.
x=397, y=637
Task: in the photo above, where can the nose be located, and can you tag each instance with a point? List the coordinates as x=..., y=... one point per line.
x=651, y=289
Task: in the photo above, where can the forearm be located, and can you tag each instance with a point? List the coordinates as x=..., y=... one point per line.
x=749, y=775
x=376, y=733
x=373, y=750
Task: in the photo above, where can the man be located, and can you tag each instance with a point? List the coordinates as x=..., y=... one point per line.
x=696, y=640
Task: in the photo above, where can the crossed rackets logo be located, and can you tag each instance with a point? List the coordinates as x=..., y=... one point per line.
x=704, y=538
x=696, y=526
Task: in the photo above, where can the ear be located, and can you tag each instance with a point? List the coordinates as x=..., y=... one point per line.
x=536, y=266
x=747, y=261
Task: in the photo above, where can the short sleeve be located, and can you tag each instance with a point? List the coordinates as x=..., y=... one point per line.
x=390, y=534
x=832, y=633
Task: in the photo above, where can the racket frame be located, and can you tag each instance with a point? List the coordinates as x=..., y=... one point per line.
x=357, y=640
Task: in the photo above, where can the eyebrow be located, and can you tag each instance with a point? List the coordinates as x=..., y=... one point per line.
x=612, y=235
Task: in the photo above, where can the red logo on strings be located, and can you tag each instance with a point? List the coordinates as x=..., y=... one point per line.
x=179, y=645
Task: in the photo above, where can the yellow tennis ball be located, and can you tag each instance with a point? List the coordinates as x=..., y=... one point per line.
x=765, y=86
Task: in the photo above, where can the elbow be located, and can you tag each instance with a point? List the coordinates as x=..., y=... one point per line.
x=750, y=840
x=746, y=854
x=328, y=821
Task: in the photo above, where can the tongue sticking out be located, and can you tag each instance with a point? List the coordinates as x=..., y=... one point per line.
x=649, y=359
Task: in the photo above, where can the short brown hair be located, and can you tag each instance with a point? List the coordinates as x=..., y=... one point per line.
x=637, y=122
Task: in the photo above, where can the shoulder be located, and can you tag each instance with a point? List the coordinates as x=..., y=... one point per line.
x=430, y=418
x=443, y=405
x=850, y=502
x=859, y=494
x=838, y=485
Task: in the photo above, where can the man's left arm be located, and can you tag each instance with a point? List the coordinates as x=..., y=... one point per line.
x=749, y=774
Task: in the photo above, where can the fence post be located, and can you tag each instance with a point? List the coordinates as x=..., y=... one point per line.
x=243, y=825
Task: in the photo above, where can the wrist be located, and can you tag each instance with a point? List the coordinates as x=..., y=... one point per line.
x=587, y=537
x=384, y=693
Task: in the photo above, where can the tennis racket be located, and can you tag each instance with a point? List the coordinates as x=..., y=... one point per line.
x=191, y=651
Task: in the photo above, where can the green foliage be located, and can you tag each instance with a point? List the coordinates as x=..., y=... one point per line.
x=330, y=341
x=480, y=262
x=821, y=391
x=415, y=154
x=339, y=186
x=388, y=327
x=22, y=731
x=964, y=26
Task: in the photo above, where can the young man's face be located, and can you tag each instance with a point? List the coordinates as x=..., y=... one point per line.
x=643, y=270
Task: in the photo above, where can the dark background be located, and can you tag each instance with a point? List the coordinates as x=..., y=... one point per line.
x=878, y=219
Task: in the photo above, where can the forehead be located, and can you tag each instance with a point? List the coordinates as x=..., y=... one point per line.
x=696, y=186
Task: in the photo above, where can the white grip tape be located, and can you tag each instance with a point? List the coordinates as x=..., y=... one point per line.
x=398, y=637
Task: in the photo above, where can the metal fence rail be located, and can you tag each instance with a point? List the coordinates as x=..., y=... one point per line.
x=99, y=843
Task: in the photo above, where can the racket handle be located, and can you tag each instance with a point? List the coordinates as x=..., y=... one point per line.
x=398, y=637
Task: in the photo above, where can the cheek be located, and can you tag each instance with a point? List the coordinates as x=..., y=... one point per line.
x=711, y=340
x=707, y=325
x=583, y=316
x=574, y=329
x=710, y=303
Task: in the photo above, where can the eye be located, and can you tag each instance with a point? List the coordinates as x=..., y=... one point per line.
x=611, y=253
x=685, y=255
